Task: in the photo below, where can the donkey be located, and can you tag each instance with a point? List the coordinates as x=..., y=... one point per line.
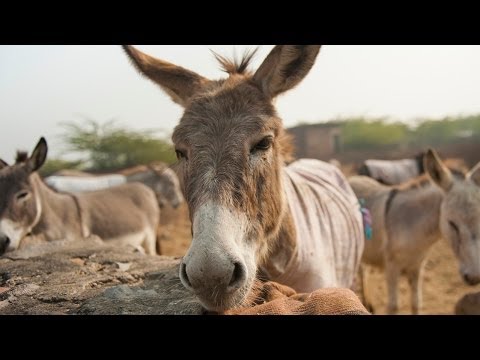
x=127, y=214
x=157, y=176
x=407, y=220
x=299, y=225
x=395, y=172
x=392, y=172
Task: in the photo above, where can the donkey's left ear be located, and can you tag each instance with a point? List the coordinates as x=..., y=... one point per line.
x=179, y=83
x=285, y=67
x=3, y=164
x=39, y=155
x=437, y=171
x=474, y=174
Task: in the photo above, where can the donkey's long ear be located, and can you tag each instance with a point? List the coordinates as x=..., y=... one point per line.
x=285, y=67
x=474, y=174
x=3, y=164
x=39, y=155
x=176, y=81
x=437, y=171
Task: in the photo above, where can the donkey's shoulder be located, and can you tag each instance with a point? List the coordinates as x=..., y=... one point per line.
x=317, y=171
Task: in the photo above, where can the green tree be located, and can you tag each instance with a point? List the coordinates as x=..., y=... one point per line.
x=362, y=133
x=110, y=147
x=448, y=130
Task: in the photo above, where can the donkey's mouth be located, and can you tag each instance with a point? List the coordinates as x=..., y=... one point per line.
x=471, y=280
x=222, y=302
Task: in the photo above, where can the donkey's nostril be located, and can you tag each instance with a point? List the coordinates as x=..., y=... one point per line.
x=238, y=276
x=470, y=280
x=4, y=241
x=184, y=276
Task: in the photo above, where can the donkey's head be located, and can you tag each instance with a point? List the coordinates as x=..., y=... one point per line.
x=231, y=146
x=459, y=214
x=167, y=186
x=20, y=207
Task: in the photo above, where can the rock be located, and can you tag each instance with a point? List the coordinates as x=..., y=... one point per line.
x=78, y=261
x=161, y=293
x=123, y=266
x=468, y=305
x=91, y=277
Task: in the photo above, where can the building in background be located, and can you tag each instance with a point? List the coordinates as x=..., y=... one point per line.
x=317, y=141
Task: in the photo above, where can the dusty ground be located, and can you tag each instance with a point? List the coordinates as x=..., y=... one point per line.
x=442, y=287
x=175, y=235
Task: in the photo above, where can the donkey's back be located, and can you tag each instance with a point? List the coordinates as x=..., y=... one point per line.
x=78, y=184
x=328, y=224
x=126, y=214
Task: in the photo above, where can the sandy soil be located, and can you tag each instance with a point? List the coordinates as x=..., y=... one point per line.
x=442, y=286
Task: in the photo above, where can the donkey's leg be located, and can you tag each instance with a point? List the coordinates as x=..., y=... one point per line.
x=158, y=235
x=392, y=272
x=415, y=281
x=364, y=284
x=149, y=243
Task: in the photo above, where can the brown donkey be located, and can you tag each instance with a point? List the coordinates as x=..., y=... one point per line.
x=300, y=225
x=127, y=214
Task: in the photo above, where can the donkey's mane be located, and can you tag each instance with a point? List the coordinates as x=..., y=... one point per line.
x=21, y=157
x=424, y=180
x=415, y=183
x=236, y=65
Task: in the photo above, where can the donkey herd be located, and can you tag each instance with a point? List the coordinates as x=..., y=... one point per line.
x=255, y=212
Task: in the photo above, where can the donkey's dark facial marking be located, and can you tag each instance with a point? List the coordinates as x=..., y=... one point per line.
x=231, y=148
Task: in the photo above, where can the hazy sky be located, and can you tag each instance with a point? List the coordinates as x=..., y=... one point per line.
x=41, y=86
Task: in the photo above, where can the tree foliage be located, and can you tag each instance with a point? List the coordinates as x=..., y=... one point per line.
x=110, y=147
x=361, y=133
x=448, y=130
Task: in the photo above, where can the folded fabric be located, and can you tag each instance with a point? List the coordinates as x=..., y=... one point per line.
x=272, y=298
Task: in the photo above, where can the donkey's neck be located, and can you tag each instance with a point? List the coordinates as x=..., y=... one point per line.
x=419, y=209
x=283, y=246
x=147, y=176
x=60, y=214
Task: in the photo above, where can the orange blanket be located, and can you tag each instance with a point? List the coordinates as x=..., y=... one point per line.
x=271, y=298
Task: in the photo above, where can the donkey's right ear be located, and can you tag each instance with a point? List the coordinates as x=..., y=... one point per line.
x=437, y=171
x=181, y=84
x=285, y=67
x=39, y=155
x=3, y=164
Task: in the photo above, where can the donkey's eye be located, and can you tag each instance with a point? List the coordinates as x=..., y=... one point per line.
x=22, y=195
x=263, y=144
x=180, y=154
x=454, y=226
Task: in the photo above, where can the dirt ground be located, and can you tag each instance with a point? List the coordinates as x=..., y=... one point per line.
x=442, y=284
x=175, y=235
